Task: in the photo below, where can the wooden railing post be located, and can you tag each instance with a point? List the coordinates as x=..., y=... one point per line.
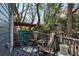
x=70, y=44
x=66, y=41
x=63, y=40
x=77, y=48
x=73, y=48
x=57, y=42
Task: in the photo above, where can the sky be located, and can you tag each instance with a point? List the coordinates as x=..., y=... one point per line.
x=27, y=17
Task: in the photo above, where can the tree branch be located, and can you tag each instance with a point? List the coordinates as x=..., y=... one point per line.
x=22, y=12
x=75, y=10
x=57, y=9
x=26, y=12
x=37, y=9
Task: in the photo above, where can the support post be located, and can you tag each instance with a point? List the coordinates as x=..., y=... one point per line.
x=11, y=33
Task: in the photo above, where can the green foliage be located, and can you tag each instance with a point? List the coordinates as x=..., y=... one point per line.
x=50, y=19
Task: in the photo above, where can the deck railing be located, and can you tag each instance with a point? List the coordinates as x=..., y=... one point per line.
x=72, y=44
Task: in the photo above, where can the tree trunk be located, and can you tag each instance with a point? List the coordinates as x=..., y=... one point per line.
x=38, y=14
x=69, y=20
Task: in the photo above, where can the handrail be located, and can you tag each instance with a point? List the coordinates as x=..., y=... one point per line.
x=74, y=39
x=69, y=38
